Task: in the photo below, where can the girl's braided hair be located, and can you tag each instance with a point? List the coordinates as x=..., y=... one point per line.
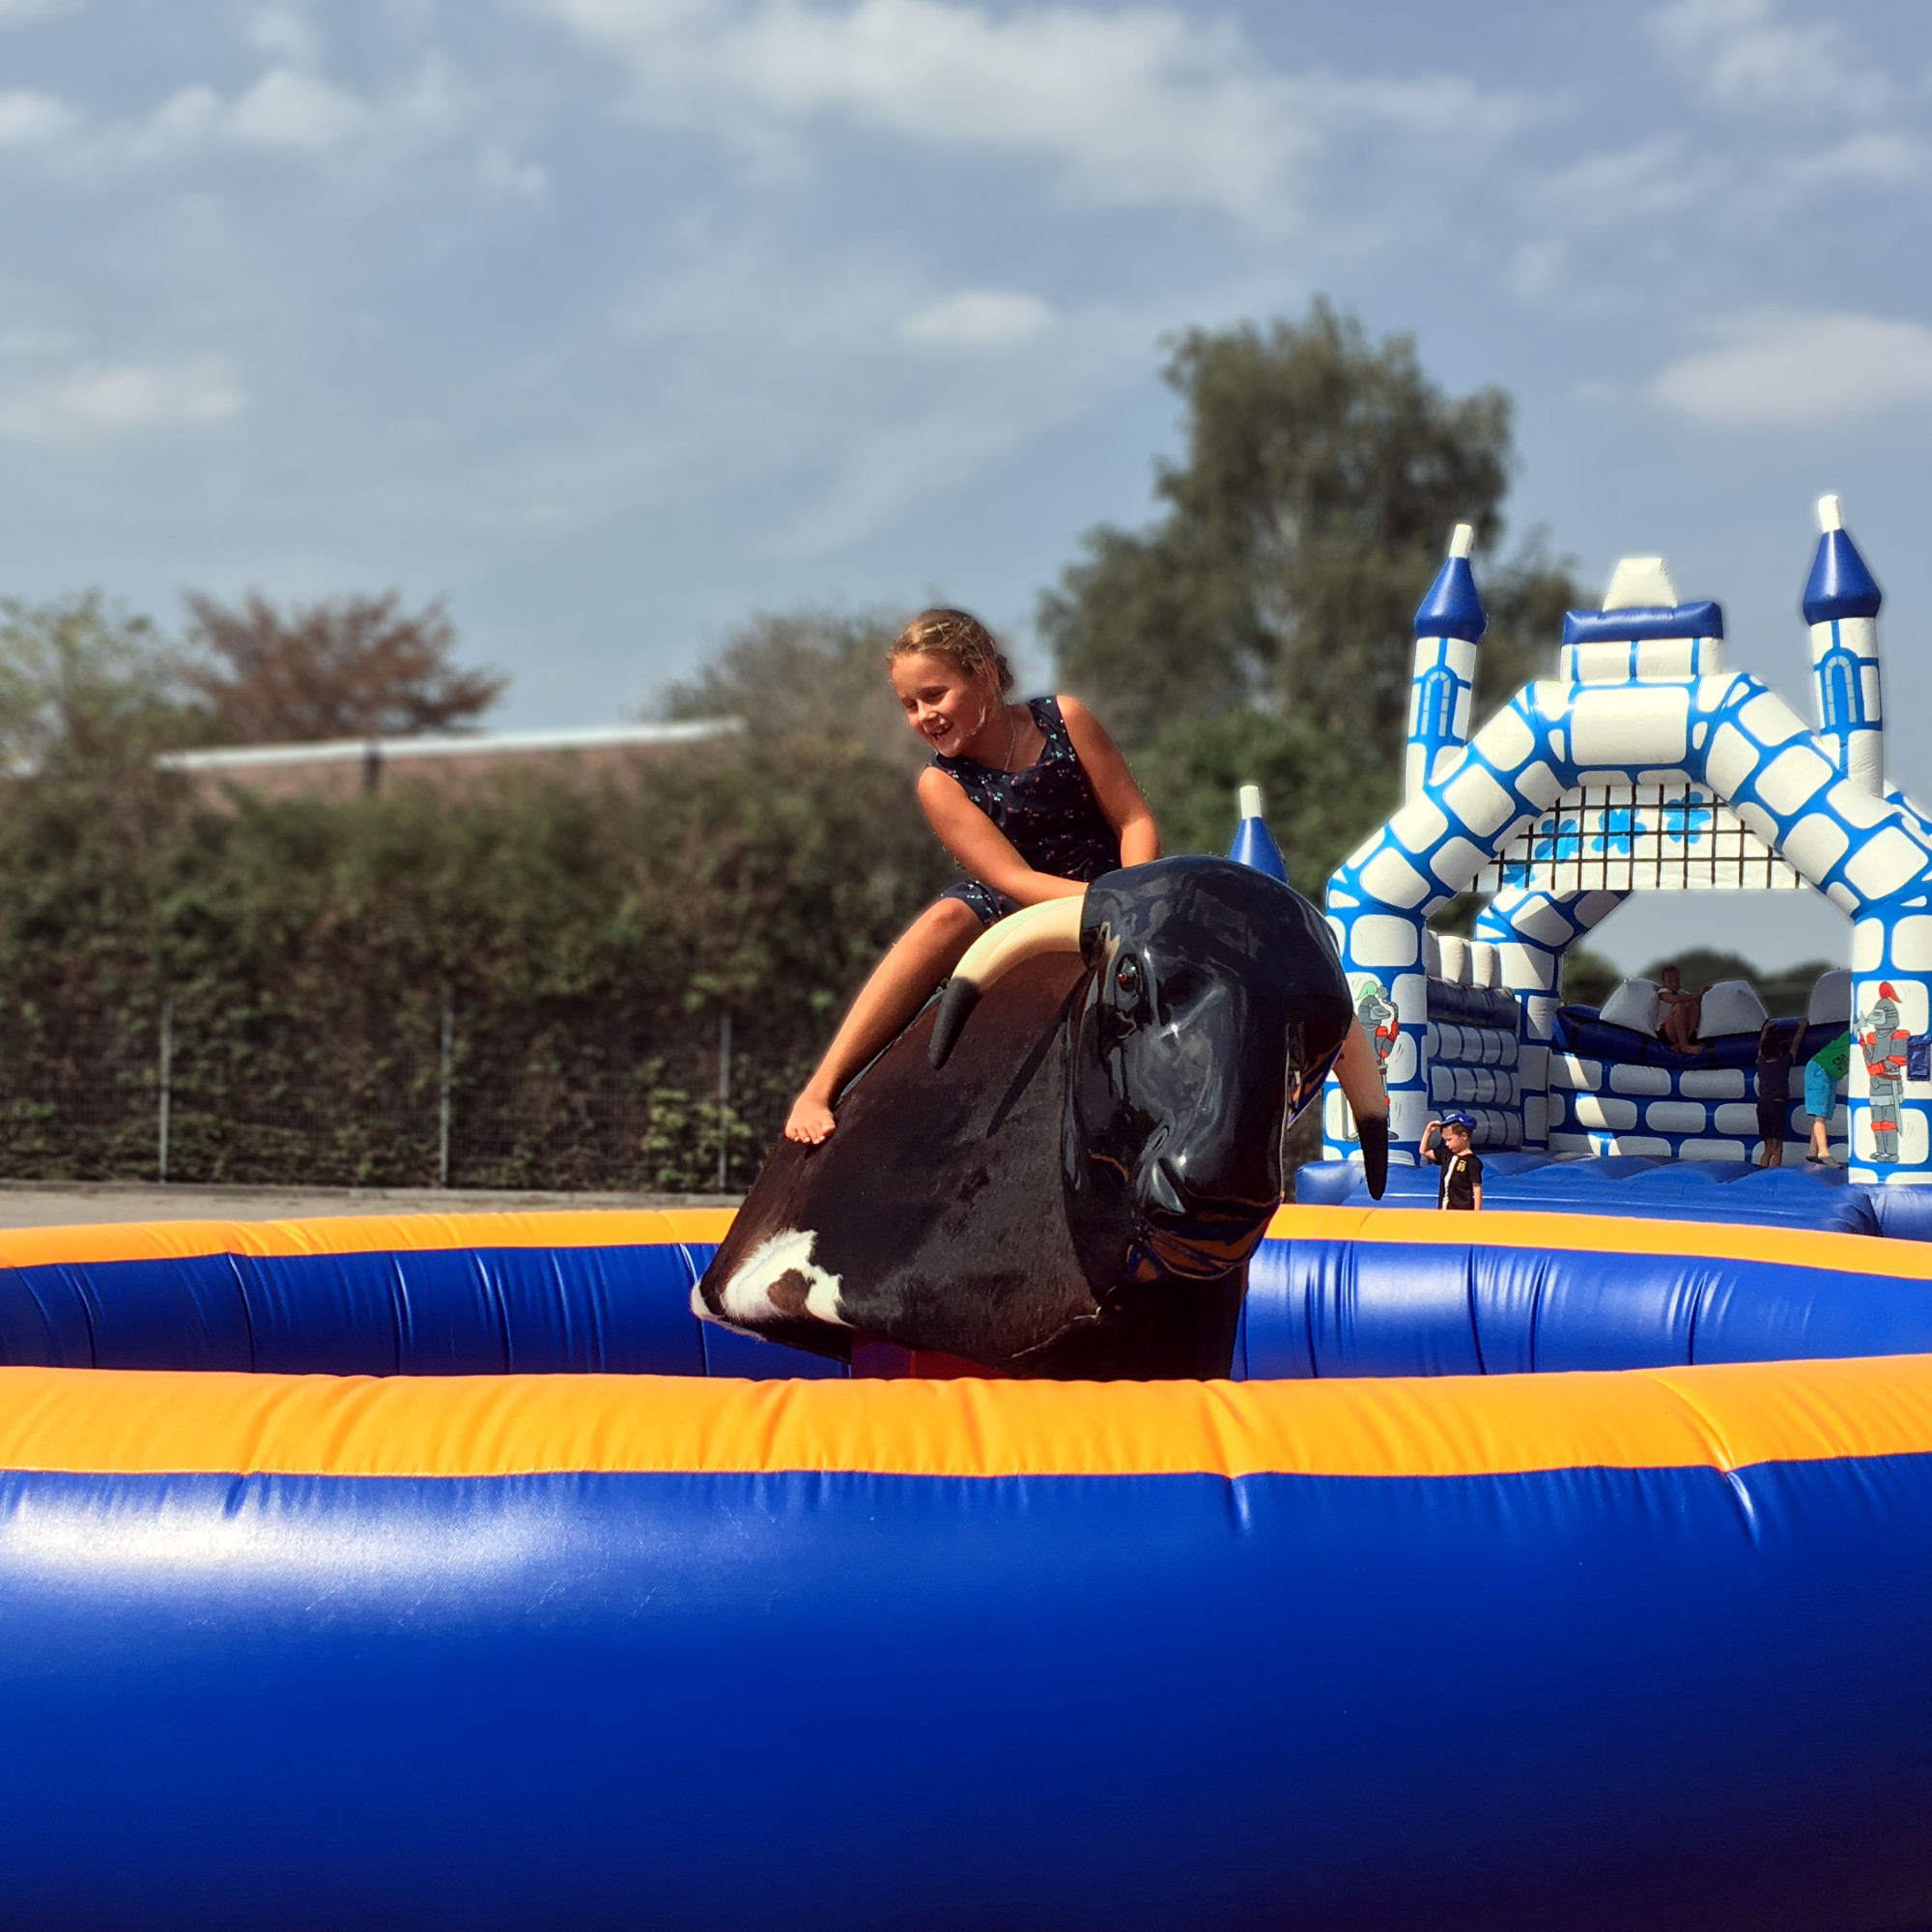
x=957, y=636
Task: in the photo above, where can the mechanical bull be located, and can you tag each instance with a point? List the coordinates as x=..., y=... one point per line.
x=1062, y=1167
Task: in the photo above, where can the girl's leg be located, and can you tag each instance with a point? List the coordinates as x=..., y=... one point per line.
x=1821, y=1138
x=901, y=982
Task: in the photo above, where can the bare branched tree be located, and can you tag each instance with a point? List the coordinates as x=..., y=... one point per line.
x=345, y=668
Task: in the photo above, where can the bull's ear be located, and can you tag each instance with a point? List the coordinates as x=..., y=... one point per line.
x=1374, y=1139
x=1051, y=926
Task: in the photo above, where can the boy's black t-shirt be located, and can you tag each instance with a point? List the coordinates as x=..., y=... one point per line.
x=1462, y=1176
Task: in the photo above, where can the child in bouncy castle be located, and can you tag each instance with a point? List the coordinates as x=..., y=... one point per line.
x=1445, y=1143
x=1775, y=1056
x=1035, y=801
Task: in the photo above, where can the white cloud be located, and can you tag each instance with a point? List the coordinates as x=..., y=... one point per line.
x=287, y=108
x=1148, y=106
x=1653, y=178
x=1786, y=367
x=92, y=400
x=1748, y=57
x=979, y=319
x=1868, y=159
x=28, y=119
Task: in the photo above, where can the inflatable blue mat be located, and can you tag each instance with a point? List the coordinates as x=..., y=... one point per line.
x=1638, y=1185
x=1344, y=1291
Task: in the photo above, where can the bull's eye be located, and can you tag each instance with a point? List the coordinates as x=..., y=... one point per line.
x=1128, y=976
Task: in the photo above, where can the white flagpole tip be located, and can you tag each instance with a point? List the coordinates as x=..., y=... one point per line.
x=1251, y=802
x=1461, y=540
x=1828, y=518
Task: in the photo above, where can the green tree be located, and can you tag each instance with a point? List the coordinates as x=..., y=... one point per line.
x=804, y=674
x=1321, y=475
x=86, y=687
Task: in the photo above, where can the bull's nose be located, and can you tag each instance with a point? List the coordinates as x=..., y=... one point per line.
x=1158, y=1185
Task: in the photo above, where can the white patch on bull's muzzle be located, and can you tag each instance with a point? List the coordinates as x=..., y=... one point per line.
x=747, y=1298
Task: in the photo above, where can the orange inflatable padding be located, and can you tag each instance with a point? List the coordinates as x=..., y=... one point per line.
x=1609, y=1234
x=360, y=1234
x=1726, y=1417
x=589, y=1227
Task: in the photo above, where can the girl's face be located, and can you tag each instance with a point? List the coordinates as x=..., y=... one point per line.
x=942, y=703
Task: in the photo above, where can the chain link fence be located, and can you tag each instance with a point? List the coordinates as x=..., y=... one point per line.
x=419, y=1102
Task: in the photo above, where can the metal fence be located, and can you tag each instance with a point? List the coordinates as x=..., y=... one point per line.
x=434, y=1105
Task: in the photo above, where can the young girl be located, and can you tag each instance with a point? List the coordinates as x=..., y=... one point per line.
x=1033, y=800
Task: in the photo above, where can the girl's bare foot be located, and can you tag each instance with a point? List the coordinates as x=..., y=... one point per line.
x=810, y=1121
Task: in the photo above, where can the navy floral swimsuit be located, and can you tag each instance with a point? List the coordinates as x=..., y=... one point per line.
x=1048, y=810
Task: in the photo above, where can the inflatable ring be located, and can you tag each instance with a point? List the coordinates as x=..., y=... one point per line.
x=360, y=1589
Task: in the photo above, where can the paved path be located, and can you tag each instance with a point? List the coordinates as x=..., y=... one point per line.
x=71, y=1203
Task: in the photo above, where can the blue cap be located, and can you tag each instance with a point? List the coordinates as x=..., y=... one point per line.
x=1459, y=1119
x=1452, y=609
x=1841, y=585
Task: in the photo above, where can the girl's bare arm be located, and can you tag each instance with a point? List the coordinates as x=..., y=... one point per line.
x=982, y=848
x=1114, y=787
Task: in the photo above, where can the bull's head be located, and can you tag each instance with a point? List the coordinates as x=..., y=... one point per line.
x=1214, y=1008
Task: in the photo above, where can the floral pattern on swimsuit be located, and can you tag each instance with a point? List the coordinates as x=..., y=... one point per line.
x=1047, y=809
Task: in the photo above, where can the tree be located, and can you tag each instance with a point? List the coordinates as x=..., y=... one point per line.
x=805, y=674
x=1321, y=477
x=345, y=668
x=86, y=687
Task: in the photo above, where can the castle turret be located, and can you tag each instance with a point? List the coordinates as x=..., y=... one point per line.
x=1841, y=604
x=1447, y=629
x=1254, y=843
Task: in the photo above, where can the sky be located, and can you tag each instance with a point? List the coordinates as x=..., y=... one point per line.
x=612, y=321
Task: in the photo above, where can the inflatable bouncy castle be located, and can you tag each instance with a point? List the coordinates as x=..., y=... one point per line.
x=1645, y=764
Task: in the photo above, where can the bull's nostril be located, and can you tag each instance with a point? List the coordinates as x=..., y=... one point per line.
x=1157, y=1187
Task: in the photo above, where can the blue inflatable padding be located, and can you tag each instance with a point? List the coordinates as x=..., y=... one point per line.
x=1839, y=586
x=44, y=1320
x=1700, y=619
x=1452, y=609
x=1582, y=1698
x=1580, y=1031
x=1472, y=1006
x=1905, y=1213
x=1319, y=1307
x=1637, y=1186
x=436, y=1312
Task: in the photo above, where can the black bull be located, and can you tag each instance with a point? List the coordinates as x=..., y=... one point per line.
x=1077, y=1192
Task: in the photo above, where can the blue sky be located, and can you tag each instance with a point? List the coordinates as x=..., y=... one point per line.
x=613, y=320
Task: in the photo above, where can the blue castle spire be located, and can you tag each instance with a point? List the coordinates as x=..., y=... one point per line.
x=1448, y=624
x=1841, y=603
x=1254, y=843
x=1841, y=585
x=1452, y=609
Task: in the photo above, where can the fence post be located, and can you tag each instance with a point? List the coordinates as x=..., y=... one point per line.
x=167, y=1079
x=443, y=1096
x=723, y=1098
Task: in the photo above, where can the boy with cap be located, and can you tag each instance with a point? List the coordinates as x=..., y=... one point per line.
x=1446, y=1143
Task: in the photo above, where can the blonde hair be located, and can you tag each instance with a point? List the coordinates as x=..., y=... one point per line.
x=961, y=638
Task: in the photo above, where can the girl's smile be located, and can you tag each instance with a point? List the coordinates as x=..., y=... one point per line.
x=950, y=710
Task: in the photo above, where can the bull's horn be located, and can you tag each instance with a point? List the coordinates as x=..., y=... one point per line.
x=1360, y=1074
x=1051, y=926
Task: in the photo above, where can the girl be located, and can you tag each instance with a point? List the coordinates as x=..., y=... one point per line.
x=1033, y=800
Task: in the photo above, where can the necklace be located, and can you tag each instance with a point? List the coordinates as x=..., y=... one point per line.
x=1013, y=739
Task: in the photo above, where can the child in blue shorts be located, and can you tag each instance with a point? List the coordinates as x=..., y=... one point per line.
x=1822, y=1073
